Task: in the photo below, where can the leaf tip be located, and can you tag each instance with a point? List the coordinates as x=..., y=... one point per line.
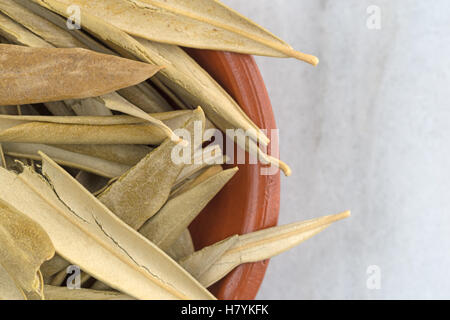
x=308, y=58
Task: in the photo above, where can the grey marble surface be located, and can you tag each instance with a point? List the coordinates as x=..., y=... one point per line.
x=367, y=130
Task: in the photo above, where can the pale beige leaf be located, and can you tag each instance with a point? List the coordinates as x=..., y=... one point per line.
x=264, y=244
x=62, y=293
x=203, y=24
x=70, y=159
x=87, y=234
x=24, y=247
x=178, y=213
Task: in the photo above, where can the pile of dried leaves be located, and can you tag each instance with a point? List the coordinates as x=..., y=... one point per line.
x=86, y=174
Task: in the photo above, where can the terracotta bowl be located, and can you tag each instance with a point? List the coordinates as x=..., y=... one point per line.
x=250, y=201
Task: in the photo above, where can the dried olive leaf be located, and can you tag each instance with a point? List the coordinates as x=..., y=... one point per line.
x=54, y=133
x=203, y=24
x=39, y=26
x=25, y=246
x=63, y=293
x=264, y=244
x=87, y=234
x=180, y=71
x=184, y=76
x=70, y=159
x=198, y=262
x=182, y=247
x=178, y=213
x=138, y=194
x=33, y=75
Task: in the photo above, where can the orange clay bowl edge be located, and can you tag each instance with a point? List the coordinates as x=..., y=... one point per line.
x=250, y=201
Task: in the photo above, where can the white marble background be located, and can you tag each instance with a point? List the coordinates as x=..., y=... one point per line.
x=367, y=130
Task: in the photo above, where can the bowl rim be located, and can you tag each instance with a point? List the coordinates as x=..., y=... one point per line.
x=240, y=76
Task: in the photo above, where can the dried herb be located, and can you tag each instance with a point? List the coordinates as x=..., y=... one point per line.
x=137, y=195
x=201, y=24
x=86, y=233
x=258, y=246
x=178, y=213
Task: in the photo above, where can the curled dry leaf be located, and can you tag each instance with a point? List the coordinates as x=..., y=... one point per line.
x=63, y=293
x=203, y=24
x=33, y=75
x=87, y=234
x=24, y=247
x=178, y=213
x=261, y=245
x=137, y=195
